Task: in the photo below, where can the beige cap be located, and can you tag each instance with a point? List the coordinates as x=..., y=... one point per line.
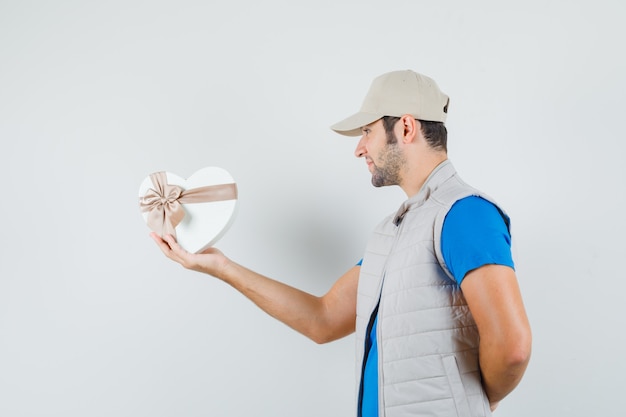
x=397, y=93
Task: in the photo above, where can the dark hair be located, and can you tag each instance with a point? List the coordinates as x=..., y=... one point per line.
x=435, y=133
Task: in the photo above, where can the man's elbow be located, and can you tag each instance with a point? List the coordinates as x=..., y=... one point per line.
x=322, y=339
x=518, y=350
x=503, y=364
x=324, y=334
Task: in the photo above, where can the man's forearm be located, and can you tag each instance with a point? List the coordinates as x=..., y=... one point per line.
x=297, y=309
x=322, y=319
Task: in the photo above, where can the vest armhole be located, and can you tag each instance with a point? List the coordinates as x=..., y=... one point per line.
x=438, y=228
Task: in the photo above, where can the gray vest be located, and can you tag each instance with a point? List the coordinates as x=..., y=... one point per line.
x=427, y=338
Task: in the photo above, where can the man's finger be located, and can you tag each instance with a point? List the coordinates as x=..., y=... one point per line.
x=163, y=245
x=178, y=253
x=173, y=244
x=170, y=247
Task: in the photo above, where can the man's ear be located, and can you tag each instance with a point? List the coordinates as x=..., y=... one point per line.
x=410, y=128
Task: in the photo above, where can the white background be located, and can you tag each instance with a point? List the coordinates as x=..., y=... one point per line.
x=94, y=96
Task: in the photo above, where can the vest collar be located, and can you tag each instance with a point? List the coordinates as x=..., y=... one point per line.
x=439, y=175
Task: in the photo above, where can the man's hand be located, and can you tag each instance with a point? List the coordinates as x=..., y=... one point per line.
x=211, y=261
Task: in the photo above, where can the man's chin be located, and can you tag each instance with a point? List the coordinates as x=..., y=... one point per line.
x=377, y=183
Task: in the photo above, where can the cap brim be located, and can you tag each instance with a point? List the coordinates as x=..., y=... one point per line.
x=353, y=124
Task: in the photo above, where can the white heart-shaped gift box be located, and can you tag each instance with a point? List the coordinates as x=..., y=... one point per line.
x=205, y=222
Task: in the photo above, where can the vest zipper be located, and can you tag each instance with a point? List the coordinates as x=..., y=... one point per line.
x=379, y=362
x=398, y=222
x=368, y=346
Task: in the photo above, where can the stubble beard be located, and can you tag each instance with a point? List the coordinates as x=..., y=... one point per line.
x=391, y=160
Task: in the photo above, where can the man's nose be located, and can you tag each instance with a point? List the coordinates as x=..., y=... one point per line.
x=360, y=147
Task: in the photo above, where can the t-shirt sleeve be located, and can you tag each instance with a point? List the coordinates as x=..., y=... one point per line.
x=475, y=233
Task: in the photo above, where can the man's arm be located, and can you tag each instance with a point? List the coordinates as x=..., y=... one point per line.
x=322, y=319
x=494, y=298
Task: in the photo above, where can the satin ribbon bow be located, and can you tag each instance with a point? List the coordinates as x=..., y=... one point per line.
x=163, y=202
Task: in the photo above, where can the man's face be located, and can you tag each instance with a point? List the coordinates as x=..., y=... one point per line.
x=382, y=154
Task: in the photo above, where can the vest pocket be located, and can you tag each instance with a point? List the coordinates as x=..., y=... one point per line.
x=456, y=385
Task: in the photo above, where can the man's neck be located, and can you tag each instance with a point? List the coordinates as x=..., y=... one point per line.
x=414, y=180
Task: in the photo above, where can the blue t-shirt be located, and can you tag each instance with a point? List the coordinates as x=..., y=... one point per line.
x=474, y=234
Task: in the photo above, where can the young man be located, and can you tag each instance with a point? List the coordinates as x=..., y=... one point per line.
x=440, y=323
